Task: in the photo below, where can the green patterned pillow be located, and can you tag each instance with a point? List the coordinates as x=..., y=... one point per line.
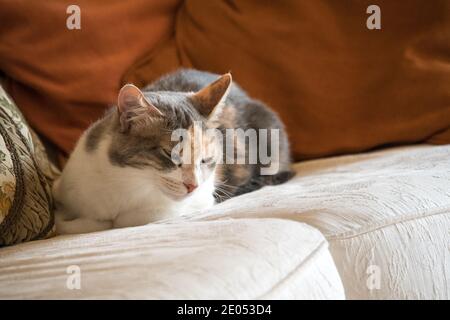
x=25, y=179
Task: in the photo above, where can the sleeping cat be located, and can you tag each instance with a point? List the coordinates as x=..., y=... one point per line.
x=124, y=171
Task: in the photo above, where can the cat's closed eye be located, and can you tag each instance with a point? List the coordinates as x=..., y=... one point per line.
x=168, y=154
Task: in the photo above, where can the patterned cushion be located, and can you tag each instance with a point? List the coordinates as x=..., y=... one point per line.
x=25, y=179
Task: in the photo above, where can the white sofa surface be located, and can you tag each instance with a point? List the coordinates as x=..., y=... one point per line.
x=385, y=214
x=235, y=259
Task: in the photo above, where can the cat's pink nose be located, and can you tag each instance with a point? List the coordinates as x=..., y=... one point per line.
x=190, y=187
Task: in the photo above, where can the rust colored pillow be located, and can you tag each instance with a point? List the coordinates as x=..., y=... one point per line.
x=61, y=79
x=338, y=86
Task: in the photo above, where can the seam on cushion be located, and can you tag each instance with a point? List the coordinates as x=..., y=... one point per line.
x=293, y=272
x=42, y=182
x=342, y=236
x=19, y=192
x=20, y=182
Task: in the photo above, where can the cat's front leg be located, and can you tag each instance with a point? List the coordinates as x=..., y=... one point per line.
x=80, y=225
x=141, y=217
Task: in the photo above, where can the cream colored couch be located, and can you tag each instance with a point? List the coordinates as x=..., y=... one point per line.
x=369, y=226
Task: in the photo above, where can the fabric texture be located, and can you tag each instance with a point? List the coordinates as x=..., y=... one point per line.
x=338, y=86
x=385, y=214
x=25, y=177
x=63, y=79
x=233, y=259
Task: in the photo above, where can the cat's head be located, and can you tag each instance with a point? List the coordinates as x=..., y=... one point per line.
x=144, y=136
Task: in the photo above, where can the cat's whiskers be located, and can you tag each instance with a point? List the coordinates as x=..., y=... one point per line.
x=171, y=182
x=172, y=187
x=224, y=184
x=222, y=197
x=226, y=193
x=223, y=190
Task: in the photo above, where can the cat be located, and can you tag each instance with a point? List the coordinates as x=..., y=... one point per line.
x=124, y=171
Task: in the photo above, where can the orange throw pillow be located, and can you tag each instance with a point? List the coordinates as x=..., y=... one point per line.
x=61, y=79
x=338, y=86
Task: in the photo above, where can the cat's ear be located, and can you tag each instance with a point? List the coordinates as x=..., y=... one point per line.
x=134, y=108
x=209, y=100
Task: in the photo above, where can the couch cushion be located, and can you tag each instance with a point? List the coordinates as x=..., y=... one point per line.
x=25, y=176
x=384, y=212
x=231, y=259
x=63, y=79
